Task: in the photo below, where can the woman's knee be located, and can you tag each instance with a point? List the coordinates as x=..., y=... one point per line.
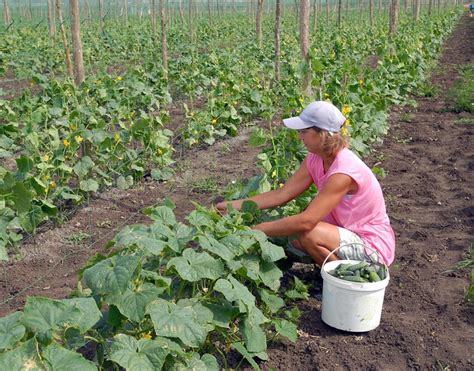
x=323, y=234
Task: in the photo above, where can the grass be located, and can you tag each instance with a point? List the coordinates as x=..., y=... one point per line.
x=460, y=97
x=204, y=185
x=467, y=263
x=77, y=238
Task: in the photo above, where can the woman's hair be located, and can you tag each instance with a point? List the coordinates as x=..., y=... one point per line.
x=332, y=143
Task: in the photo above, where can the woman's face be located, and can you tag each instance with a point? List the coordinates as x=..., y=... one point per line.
x=312, y=140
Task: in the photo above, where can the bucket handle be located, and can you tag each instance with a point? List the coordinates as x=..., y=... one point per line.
x=353, y=243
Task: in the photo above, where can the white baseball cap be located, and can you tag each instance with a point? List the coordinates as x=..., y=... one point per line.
x=320, y=114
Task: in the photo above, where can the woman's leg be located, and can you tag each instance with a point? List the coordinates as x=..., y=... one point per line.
x=319, y=242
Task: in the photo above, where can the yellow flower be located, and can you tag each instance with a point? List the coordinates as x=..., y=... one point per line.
x=214, y=121
x=45, y=158
x=274, y=174
x=344, y=131
x=73, y=127
x=160, y=151
x=66, y=143
x=301, y=100
x=117, y=137
x=46, y=178
x=346, y=110
x=281, y=185
x=361, y=82
x=79, y=139
x=119, y=78
x=52, y=184
x=326, y=95
x=347, y=122
x=147, y=336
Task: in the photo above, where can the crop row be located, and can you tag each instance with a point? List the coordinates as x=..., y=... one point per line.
x=69, y=141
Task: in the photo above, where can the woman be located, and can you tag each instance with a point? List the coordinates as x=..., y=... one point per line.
x=349, y=209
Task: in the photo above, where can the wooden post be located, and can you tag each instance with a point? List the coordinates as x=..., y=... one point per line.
x=339, y=10
x=190, y=16
x=79, y=75
x=258, y=21
x=277, y=39
x=153, y=17
x=164, y=45
x=51, y=20
x=101, y=15
x=394, y=10
x=67, y=52
x=304, y=44
x=6, y=13
x=315, y=16
x=371, y=12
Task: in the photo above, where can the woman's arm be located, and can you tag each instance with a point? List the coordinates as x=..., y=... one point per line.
x=334, y=190
x=296, y=185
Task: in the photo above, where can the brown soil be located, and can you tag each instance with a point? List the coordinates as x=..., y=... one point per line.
x=428, y=158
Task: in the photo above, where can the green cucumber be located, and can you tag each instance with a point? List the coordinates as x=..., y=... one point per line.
x=374, y=277
x=357, y=266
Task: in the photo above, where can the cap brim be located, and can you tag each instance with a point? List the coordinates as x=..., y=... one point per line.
x=295, y=123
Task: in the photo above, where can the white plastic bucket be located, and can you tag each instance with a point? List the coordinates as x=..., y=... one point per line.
x=351, y=306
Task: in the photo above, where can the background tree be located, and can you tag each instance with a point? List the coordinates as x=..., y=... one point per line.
x=51, y=19
x=277, y=39
x=164, y=45
x=67, y=53
x=153, y=17
x=6, y=13
x=304, y=44
x=191, y=29
x=101, y=14
x=259, y=22
x=79, y=75
x=394, y=10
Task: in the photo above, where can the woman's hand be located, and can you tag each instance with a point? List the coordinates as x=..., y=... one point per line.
x=222, y=206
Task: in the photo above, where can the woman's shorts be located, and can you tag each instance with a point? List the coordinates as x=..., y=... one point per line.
x=352, y=247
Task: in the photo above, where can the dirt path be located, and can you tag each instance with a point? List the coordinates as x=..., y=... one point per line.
x=428, y=157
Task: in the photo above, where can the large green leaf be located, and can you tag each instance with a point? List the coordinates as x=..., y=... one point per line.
x=83, y=166
x=272, y=301
x=89, y=313
x=60, y=359
x=212, y=245
x=21, y=198
x=287, y=329
x=132, y=303
x=234, y=291
x=270, y=251
x=22, y=358
x=205, y=363
x=163, y=214
x=270, y=275
x=42, y=315
x=141, y=236
x=11, y=330
x=193, y=266
x=254, y=337
x=24, y=164
x=111, y=276
x=200, y=219
x=222, y=314
x=89, y=185
x=132, y=354
x=173, y=321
